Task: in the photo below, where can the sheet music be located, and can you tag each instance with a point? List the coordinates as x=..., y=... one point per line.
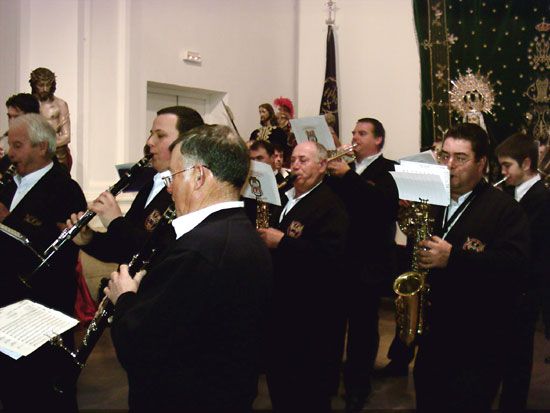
x=416, y=180
x=26, y=325
x=261, y=184
x=314, y=128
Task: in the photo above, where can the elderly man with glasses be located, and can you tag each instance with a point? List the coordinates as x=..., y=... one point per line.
x=189, y=334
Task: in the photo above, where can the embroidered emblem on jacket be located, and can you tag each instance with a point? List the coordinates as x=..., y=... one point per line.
x=473, y=244
x=152, y=220
x=30, y=219
x=295, y=229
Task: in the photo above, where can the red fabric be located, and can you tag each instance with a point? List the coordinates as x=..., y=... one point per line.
x=84, y=306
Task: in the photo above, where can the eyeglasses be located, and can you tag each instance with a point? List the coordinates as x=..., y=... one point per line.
x=168, y=179
x=458, y=159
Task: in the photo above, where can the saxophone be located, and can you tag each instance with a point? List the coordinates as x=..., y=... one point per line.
x=411, y=287
x=262, y=214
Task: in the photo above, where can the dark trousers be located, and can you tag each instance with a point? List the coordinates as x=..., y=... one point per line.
x=363, y=337
x=300, y=354
x=399, y=353
x=469, y=383
x=297, y=387
x=519, y=356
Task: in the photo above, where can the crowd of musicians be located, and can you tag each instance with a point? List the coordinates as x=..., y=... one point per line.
x=222, y=301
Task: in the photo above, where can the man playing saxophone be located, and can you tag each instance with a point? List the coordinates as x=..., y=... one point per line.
x=477, y=262
x=307, y=246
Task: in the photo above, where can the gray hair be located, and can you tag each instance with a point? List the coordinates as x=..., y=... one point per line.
x=38, y=129
x=218, y=148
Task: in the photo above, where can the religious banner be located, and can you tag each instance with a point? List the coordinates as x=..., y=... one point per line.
x=484, y=43
x=329, y=100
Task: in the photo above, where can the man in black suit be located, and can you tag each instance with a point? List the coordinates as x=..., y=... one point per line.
x=36, y=204
x=189, y=334
x=518, y=158
x=371, y=199
x=126, y=234
x=307, y=248
x=476, y=266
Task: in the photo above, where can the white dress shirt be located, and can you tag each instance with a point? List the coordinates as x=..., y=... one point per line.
x=25, y=184
x=522, y=189
x=364, y=164
x=292, y=200
x=158, y=184
x=182, y=225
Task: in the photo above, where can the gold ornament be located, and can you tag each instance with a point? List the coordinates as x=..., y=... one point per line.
x=472, y=93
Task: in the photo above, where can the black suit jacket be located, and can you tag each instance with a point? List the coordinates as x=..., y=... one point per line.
x=371, y=200
x=308, y=275
x=474, y=297
x=189, y=339
x=126, y=235
x=50, y=202
x=536, y=204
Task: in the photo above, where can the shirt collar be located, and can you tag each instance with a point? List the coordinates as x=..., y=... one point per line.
x=522, y=188
x=184, y=224
x=365, y=163
x=291, y=193
x=32, y=178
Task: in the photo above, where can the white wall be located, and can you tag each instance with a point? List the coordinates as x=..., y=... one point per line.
x=378, y=68
x=105, y=51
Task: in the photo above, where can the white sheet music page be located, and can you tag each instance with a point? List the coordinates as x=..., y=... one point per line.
x=313, y=128
x=417, y=181
x=26, y=325
x=261, y=184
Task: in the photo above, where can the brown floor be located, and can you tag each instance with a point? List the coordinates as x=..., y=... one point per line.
x=103, y=385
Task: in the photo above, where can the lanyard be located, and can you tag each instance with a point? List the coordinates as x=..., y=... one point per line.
x=448, y=223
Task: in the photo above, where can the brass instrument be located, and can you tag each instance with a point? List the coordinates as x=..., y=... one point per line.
x=288, y=181
x=262, y=214
x=69, y=233
x=411, y=287
x=103, y=315
x=345, y=152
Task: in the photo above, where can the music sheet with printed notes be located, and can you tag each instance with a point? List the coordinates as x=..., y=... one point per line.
x=26, y=325
x=418, y=180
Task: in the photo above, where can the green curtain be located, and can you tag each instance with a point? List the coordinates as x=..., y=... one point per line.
x=494, y=37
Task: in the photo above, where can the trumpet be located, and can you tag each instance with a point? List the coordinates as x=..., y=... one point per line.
x=69, y=233
x=339, y=153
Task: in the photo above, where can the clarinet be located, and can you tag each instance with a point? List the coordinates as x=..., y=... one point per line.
x=7, y=177
x=69, y=234
x=104, y=313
